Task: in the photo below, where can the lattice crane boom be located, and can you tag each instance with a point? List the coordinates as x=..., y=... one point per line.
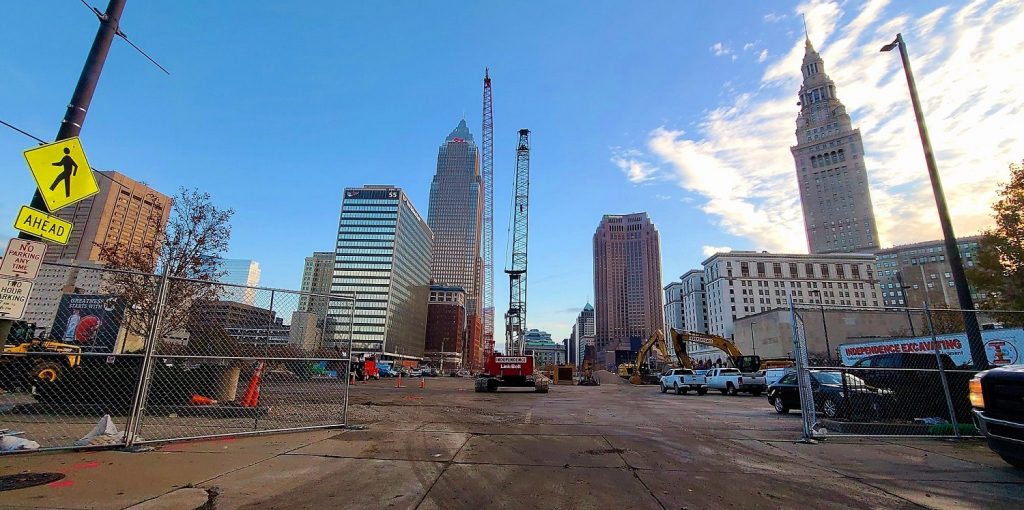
x=487, y=169
x=515, y=319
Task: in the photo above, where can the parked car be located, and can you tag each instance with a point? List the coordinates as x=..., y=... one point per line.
x=997, y=397
x=915, y=381
x=463, y=373
x=732, y=381
x=834, y=397
x=773, y=375
x=682, y=380
x=416, y=372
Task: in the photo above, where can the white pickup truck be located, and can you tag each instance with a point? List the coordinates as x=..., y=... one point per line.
x=732, y=381
x=682, y=380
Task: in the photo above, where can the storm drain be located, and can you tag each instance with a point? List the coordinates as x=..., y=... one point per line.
x=25, y=480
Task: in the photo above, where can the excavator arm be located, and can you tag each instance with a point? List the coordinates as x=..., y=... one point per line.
x=657, y=339
x=680, y=347
x=744, y=363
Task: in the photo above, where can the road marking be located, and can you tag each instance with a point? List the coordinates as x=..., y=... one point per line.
x=529, y=417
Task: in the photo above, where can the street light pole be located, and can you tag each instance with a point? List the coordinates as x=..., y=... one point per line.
x=824, y=324
x=752, y=346
x=956, y=265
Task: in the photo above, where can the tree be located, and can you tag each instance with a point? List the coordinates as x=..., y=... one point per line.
x=999, y=269
x=189, y=249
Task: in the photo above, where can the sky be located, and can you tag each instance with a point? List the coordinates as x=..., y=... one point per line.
x=684, y=110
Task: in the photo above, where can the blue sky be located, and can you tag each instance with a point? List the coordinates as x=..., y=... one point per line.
x=275, y=108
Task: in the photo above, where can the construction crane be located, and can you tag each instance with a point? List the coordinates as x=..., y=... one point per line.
x=516, y=367
x=487, y=169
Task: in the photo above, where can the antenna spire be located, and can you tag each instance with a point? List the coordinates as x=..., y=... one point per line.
x=807, y=37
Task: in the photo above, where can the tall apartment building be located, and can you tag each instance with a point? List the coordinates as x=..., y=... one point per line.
x=583, y=331
x=455, y=216
x=694, y=302
x=925, y=273
x=673, y=311
x=743, y=283
x=627, y=284
x=383, y=255
x=317, y=272
x=829, y=156
x=240, y=272
x=52, y=282
x=125, y=212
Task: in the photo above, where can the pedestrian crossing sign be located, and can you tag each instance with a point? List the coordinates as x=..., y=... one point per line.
x=62, y=173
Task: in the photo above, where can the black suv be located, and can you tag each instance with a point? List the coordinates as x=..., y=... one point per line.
x=998, y=399
x=914, y=380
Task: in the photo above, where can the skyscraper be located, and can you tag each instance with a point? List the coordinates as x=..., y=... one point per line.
x=240, y=272
x=627, y=285
x=316, y=279
x=455, y=217
x=125, y=212
x=583, y=334
x=829, y=155
x=383, y=256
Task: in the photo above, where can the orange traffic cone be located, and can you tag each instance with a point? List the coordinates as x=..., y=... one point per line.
x=398, y=382
x=423, y=382
x=252, y=393
x=200, y=400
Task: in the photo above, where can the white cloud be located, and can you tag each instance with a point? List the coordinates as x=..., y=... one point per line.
x=660, y=196
x=772, y=17
x=738, y=161
x=761, y=57
x=634, y=168
x=711, y=250
x=720, y=49
x=748, y=46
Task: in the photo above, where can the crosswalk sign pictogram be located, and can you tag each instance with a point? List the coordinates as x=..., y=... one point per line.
x=62, y=173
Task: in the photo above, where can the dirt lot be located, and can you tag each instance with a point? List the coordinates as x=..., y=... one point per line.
x=612, y=446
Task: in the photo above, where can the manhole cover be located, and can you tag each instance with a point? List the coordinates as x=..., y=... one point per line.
x=24, y=480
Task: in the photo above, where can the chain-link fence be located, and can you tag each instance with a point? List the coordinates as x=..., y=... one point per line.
x=883, y=371
x=108, y=358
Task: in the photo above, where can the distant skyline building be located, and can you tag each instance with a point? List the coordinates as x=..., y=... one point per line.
x=583, y=331
x=925, y=273
x=627, y=285
x=545, y=350
x=243, y=272
x=446, y=335
x=383, y=256
x=455, y=216
x=125, y=212
x=829, y=156
x=317, y=272
x=673, y=311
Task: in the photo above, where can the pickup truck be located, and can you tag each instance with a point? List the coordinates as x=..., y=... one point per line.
x=682, y=380
x=997, y=397
x=732, y=381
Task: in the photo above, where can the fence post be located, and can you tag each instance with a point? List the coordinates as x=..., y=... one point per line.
x=348, y=357
x=146, y=372
x=942, y=373
x=807, y=411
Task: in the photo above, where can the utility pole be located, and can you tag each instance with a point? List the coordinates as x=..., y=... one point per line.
x=906, y=302
x=74, y=117
x=956, y=265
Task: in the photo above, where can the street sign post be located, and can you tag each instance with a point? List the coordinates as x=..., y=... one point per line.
x=62, y=173
x=22, y=259
x=13, y=297
x=42, y=225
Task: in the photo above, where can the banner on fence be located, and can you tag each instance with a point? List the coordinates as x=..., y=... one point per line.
x=91, y=321
x=1003, y=347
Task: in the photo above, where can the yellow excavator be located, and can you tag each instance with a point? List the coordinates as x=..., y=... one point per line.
x=642, y=372
x=29, y=361
x=746, y=364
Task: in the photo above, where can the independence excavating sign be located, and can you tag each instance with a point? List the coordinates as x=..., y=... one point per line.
x=1002, y=346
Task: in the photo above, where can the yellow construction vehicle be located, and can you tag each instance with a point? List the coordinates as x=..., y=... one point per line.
x=746, y=364
x=28, y=361
x=643, y=373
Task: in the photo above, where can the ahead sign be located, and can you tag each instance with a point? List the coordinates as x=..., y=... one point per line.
x=13, y=297
x=22, y=259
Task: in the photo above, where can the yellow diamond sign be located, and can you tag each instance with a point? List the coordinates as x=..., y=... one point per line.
x=62, y=173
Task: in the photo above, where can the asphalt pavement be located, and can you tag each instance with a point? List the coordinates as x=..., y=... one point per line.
x=611, y=446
